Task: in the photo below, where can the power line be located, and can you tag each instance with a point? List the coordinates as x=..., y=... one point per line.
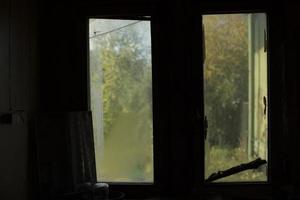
x=113, y=30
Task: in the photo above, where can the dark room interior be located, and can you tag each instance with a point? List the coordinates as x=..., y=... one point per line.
x=62, y=132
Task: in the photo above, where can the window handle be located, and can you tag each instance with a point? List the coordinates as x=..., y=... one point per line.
x=203, y=44
x=237, y=169
x=205, y=122
x=265, y=41
x=265, y=105
x=205, y=127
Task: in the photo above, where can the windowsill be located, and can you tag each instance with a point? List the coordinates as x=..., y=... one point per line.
x=251, y=190
x=210, y=197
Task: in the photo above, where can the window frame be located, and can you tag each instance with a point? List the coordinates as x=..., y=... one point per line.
x=275, y=88
x=142, y=18
x=268, y=113
x=147, y=13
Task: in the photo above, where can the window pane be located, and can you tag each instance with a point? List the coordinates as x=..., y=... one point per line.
x=121, y=99
x=235, y=85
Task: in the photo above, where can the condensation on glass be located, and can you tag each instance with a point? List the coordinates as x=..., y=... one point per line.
x=236, y=94
x=121, y=99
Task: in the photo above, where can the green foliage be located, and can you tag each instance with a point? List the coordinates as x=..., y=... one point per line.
x=126, y=85
x=126, y=75
x=226, y=96
x=226, y=75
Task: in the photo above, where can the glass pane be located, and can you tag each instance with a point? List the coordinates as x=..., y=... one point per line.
x=235, y=85
x=121, y=99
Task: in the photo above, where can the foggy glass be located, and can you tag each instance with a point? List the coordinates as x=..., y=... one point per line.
x=235, y=94
x=121, y=99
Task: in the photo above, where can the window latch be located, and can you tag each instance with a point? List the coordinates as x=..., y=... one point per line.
x=265, y=41
x=205, y=127
x=203, y=45
x=265, y=105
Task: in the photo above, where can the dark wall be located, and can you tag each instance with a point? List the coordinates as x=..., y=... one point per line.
x=18, y=96
x=61, y=41
x=4, y=84
x=292, y=52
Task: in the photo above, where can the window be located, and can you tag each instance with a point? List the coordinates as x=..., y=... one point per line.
x=121, y=99
x=232, y=87
x=235, y=97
